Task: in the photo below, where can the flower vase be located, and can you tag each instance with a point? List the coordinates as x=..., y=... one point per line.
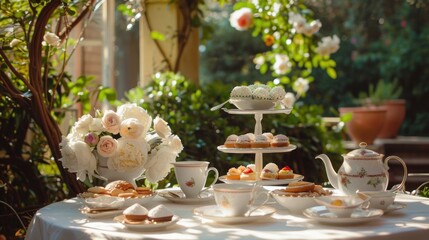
x=111, y=175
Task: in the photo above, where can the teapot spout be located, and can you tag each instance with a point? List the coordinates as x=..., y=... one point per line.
x=332, y=175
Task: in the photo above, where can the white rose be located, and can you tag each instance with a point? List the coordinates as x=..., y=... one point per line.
x=259, y=60
x=111, y=122
x=77, y=157
x=52, y=39
x=297, y=21
x=312, y=28
x=131, y=154
x=175, y=143
x=328, y=45
x=131, y=128
x=300, y=86
x=282, y=64
x=81, y=127
x=131, y=110
x=161, y=127
x=241, y=19
x=289, y=100
x=96, y=125
x=159, y=164
x=107, y=146
x=14, y=42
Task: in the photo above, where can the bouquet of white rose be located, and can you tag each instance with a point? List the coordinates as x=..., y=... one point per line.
x=122, y=140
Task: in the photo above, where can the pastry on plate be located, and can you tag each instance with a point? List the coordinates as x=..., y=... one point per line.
x=233, y=174
x=280, y=140
x=243, y=141
x=230, y=141
x=269, y=172
x=248, y=174
x=160, y=213
x=135, y=213
x=301, y=186
x=260, y=141
x=286, y=173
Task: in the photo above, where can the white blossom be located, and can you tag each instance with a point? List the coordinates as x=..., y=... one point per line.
x=282, y=64
x=14, y=42
x=301, y=86
x=52, y=39
x=241, y=19
x=328, y=45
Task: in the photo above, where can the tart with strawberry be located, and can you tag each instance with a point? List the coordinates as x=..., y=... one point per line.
x=248, y=174
x=286, y=173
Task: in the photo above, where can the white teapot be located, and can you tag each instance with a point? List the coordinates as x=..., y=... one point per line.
x=362, y=170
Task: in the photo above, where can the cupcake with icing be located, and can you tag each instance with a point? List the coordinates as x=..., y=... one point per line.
x=135, y=213
x=280, y=140
x=160, y=213
x=230, y=141
x=270, y=171
x=243, y=141
x=260, y=141
x=269, y=136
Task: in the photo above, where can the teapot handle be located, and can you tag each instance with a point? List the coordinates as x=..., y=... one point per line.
x=404, y=178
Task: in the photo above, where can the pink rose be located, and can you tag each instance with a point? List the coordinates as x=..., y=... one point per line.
x=107, y=146
x=111, y=121
x=91, y=139
x=242, y=19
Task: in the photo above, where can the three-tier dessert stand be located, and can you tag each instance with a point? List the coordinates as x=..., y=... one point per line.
x=260, y=151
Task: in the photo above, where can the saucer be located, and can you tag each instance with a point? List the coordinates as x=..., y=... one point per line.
x=177, y=196
x=101, y=213
x=323, y=215
x=215, y=214
x=393, y=207
x=146, y=225
x=273, y=182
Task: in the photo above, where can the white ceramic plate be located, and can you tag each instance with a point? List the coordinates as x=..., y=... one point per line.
x=289, y=148
x=267, y=111
x=204, y=197
x=323, y=215
x=146, y=225
x=394, y=206
x=104, y=202
x=273, y=182
x=140, y=200
x=101, y=214
x=215, y=214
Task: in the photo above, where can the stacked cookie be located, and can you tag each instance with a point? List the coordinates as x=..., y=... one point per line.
x=251, y=140
x=118, y=188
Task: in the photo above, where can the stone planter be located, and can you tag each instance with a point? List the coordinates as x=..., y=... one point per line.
x=366, y=123
x=394, y=117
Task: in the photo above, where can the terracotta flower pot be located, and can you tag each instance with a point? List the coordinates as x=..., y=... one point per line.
x=366, y=123
x=394, y=117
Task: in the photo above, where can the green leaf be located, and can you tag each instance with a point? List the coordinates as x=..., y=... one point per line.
x=331, y=73
x=155, y=35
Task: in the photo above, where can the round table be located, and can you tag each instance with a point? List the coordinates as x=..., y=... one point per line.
x=63, y=220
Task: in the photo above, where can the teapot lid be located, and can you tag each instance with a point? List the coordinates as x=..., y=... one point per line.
x=362, y=152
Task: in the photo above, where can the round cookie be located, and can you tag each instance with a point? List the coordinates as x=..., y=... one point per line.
x=299, y=187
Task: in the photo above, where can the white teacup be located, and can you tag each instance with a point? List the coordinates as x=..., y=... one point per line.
x=192, y=176
x=237, y=199
x=380, y=199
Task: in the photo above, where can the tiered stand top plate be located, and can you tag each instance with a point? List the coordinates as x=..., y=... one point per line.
x=265, y=111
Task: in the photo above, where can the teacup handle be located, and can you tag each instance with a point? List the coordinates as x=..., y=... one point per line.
x=215, y=179
x=404, y=178
x=267, y=195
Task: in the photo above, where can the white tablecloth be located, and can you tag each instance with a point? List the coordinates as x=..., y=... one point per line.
x=62, y=220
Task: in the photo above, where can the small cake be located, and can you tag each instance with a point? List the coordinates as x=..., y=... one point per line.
x=230, y=141
x=241, y=168
x=135, y=213
x=302, y=186
x=277, y=93
x=160, y=213
x=280, y=140
x=241, y=92
x=286, y=173
x=251, y=166
x=248, y=174
x=243, y=141
x=269, y=136
x=233, y=174
x=270, y=171
x=261, y=141
x=251, y=136
x=261, y=94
